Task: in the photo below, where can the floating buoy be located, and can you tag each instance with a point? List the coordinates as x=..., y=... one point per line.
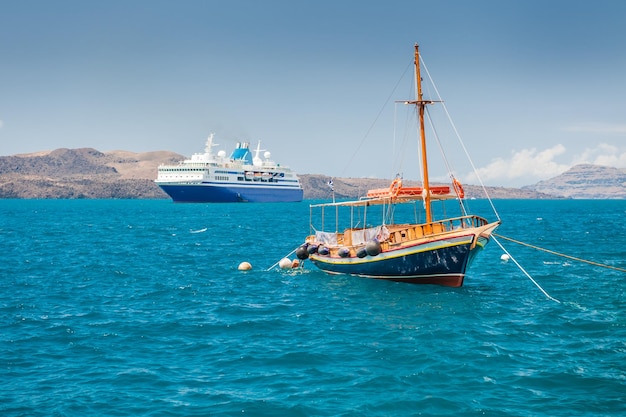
x=244, y=266
x=505, y=257
x=285, y=263
x=295, y=264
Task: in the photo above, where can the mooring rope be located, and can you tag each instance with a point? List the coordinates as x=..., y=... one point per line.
x=524, y=271
x=561, y=254
x=271, y=267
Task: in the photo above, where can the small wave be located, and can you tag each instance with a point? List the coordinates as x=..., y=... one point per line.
x=198, y=231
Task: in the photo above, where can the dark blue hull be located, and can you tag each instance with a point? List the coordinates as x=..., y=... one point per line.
x=441, y=262
x=213, y=193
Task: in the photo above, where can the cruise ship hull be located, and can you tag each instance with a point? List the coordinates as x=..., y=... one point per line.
x=226, y=193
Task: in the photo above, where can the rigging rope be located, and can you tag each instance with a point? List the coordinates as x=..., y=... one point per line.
x=400, y=156
x=524, y=271
x=561, y=254
x=460, y=140
x=447, y=163
x=375, y=120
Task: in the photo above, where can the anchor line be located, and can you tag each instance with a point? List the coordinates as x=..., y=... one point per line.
x=524, y=271
x=273, y=266
x=561, y=254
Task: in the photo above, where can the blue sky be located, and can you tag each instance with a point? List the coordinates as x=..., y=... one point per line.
x=533, y=87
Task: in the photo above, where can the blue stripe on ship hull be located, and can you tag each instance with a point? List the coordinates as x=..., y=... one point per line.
x=207, y=193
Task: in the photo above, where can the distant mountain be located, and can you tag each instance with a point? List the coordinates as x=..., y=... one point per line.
x=585, y=182
x=89, y=173
x=316, y=187
x=82, y=173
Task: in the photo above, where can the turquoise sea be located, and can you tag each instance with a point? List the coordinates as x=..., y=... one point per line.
x=131, y=308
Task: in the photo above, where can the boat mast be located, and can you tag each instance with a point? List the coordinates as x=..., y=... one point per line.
x=421, y=105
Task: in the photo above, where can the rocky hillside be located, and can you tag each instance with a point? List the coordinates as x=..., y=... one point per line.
x=585, y=181
x=88, y=173
x=82, y=173
x=316, y=187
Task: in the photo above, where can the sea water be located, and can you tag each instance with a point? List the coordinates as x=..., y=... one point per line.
x=129, y=308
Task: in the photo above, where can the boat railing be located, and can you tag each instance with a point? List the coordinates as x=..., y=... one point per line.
x=405, y=232
x=396, y=233
x=463, y=222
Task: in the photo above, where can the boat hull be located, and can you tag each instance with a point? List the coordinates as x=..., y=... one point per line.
x=441, y=262
x=220, y=193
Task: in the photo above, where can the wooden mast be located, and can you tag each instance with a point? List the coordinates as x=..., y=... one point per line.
x=421, y=105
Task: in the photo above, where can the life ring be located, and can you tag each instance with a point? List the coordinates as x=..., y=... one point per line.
x=458, y=188
x=395, y=187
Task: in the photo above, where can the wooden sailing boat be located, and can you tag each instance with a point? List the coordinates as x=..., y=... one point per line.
x=422, y=252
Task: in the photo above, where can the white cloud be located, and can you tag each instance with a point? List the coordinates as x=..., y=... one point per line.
x=528, y=164
x=603, y=154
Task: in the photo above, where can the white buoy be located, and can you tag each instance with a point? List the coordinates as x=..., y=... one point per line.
x=285, y=263
x=505, y=257
x=244, y=266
